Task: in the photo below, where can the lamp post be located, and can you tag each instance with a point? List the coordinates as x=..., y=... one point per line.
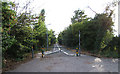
x=47, y=36
x=47, y=39
x=32, y=45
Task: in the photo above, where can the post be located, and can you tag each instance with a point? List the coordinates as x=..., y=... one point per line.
x=47, y=39
x=31, y=34
x=47, y=36
x=32, y=46
x=42, y=52
x=119, y=18
x=76, y=51
x=79, y=42
x=32, y=52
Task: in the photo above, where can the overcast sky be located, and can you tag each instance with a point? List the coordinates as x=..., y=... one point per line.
x=59, y=12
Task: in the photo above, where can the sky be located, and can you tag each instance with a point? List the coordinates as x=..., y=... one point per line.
x=59, y=12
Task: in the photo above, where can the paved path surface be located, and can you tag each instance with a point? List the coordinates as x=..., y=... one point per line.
x=63, y=60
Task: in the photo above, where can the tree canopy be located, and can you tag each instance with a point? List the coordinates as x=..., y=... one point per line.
x=95, y=33
x=21, y=33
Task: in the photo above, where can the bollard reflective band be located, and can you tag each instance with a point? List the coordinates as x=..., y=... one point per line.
x=76, y=52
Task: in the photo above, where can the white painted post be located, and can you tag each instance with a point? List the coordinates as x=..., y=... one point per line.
x=79, y=43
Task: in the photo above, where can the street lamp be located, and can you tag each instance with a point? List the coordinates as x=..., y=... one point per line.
x=32, y=44
x=47, y=35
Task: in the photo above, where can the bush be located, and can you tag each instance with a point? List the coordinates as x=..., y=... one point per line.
x=113, y=48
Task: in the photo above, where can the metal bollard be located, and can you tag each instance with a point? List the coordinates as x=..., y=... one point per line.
x=76, y=51
x=42, y=50
x=32, y=52
x=42, y=53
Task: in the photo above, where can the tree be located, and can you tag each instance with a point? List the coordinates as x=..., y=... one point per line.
x=40, y=31
x=60, y=39
x=79, y=16
x=105, y=24
x=8, y=21
x=93, y=31
x=21, y=33
x=51, y=37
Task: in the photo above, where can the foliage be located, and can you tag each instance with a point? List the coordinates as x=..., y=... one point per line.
x=112, y=48
x=95, y=34
x=51, y=37
x=79, y=16
x=8, y=21
x=19, y=36
x=40, y=32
